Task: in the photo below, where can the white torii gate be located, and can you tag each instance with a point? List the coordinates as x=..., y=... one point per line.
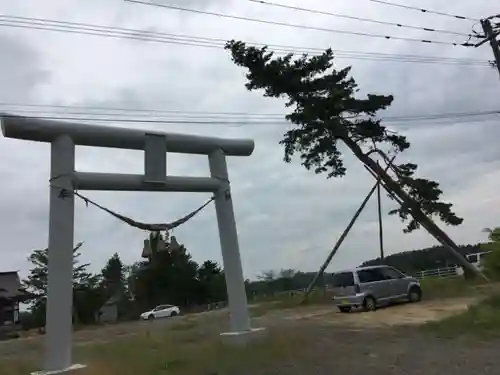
x=63, y=138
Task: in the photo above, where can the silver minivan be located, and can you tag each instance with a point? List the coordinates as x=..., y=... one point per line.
x=370, y=287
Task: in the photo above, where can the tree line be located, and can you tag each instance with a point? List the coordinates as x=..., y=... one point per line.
x=271, y=282
x=429, y=258
x=174, y=277
x=171, y=277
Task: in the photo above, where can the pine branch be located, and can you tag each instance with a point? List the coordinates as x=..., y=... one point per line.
x=326, y=110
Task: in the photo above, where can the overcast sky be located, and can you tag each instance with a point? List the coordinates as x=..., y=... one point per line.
x=287, y=217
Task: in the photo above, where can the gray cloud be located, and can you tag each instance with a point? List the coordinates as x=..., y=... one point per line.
x=196, y=4
x=20, y=73
x=287, y=216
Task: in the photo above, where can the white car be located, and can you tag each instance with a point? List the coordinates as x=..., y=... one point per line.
x=161, y=311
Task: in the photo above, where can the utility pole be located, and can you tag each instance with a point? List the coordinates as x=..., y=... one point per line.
x=380, y=227
x=344, y=235
x=341, y=239
x=491, y=36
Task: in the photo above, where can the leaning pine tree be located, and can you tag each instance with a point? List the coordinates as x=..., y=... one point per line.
x=326, y=111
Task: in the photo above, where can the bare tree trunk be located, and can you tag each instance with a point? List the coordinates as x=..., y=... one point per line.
x=413, y=207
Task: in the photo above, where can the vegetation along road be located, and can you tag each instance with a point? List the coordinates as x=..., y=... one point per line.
x=315, y=338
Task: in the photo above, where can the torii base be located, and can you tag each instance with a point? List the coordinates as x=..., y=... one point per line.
x=243, y=338
x=66, y=370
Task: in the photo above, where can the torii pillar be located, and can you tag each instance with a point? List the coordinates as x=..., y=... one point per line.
x=63, y=137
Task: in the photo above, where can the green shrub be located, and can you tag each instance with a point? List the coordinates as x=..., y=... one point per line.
x=481, y=319
x=434, y=287
x=492, y=260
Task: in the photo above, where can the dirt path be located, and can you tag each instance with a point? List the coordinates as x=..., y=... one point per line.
x=327, y=350
x=110, y=333
x=388, y=341
x=385, y=342
x=404, y=314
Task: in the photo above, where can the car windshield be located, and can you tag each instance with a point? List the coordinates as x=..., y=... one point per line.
x=162, y=307
x=343, y=279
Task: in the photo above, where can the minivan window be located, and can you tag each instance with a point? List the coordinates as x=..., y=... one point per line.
x=391, y=273
x=343, y=279
x=370, y=275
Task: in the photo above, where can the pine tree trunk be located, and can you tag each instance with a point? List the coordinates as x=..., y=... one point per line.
x=414, y=209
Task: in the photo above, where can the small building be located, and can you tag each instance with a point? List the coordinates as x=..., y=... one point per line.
x=11, y=295
x=108, y=313
x=477, y=259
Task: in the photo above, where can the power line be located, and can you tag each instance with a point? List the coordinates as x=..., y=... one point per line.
x=147, y=111
x=153, y=111
x=442, y=116
x=422, y=10
x=90, y=29
x=362, y=19
x=155, y=116
x=149, y=121
x=277, y=23
x=148, y=118
x=188, y=40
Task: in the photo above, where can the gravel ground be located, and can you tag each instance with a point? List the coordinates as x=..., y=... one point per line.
x=386, y=342
x=394, y=351
x=389, y=341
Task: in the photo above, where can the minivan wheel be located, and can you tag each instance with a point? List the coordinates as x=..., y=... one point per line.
x=415, y=294
x=151, y=317
x=173, y=313
x=370, y=304
x=345, y=309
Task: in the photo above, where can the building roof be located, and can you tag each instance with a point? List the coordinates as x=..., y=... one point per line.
x=10, y=284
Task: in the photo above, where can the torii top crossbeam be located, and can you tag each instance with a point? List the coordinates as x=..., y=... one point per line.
x=33, y=129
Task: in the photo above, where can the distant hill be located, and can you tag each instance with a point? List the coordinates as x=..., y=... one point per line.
x=424, y=259
x=409, y=262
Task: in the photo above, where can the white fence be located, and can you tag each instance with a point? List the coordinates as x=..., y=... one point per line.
x=445, y=272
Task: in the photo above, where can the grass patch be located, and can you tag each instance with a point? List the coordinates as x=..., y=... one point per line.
x=175, y=352
x=481, y=319
x=185, y=325
x=435, y=288
x=289, y=302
